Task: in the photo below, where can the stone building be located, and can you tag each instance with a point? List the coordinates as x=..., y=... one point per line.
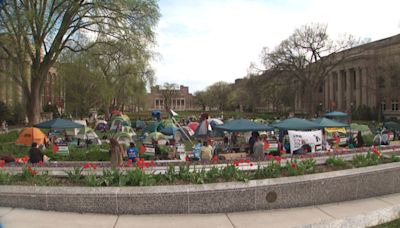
x=369, y=77
x=181, y=99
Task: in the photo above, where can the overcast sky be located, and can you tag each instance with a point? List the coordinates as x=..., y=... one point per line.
x=201, y=42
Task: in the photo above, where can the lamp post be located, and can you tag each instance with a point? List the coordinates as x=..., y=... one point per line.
x=350, y=119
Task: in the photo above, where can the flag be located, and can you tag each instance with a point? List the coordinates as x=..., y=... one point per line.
x=55, y=148
x=172, y=113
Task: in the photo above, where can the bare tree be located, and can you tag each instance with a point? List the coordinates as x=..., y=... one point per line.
x=309, y=55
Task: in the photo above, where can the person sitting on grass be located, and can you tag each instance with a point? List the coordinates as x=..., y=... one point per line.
x=35, y=155
x=206, y=152
x=132, y=152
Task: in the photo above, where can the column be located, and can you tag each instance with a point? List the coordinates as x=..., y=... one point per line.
x=331, y=83
x=339, y=90
x=358, y=88
x=364, y=95
x=326, y=92
x=348, y=90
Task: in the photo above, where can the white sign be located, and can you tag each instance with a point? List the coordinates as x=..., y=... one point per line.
x=299, y=138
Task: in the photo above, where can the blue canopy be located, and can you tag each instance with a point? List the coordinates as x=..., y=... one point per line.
x=296, y=124
x=58, y=124
x=243, y=125
x=336, y=114
x=325, y=122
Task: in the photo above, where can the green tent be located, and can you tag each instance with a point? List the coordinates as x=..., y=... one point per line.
x=296, y=124
x=325, y=122
x=151, y=127
x=58, y=124
x=391, y=125
x=336, y=114
x=243, y=125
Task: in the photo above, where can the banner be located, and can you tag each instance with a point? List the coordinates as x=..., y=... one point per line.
x=299, y=139
x=336, y=129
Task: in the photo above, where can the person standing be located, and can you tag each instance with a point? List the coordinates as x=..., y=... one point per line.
x=360, y=140
x=258, y=149
x=116, y=151
x=35, y=155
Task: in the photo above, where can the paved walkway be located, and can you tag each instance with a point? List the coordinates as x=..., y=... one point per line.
x=359, y=213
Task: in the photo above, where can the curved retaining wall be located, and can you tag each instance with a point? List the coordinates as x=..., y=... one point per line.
x=210, y=198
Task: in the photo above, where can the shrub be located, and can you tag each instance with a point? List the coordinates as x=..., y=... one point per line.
x=394, y=158
x=294, y=168
x=334, y=161
x=308, y=165
x=75, y=175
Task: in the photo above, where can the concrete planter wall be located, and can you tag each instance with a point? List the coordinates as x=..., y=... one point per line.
x=209, y=198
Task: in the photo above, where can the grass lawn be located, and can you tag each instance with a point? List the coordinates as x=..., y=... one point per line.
x=392, y=224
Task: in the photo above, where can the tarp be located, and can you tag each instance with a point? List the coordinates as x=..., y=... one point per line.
x=152, y=127
x=360, y=127
x=336, y=114
x=203, y=130
x=296, y=124
x=193, y=125
x=154, y=136
x=58, y=124
x=30, y=135
x=300, y=138
x=243, y=125
x=325, y=122
x=391, y=125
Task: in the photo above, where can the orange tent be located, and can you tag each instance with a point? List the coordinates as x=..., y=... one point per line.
x=30, y=135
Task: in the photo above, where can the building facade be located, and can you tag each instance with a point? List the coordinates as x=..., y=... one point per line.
x=180, y=98
x=367, y=78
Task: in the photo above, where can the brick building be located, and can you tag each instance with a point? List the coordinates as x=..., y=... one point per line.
x=181, y=99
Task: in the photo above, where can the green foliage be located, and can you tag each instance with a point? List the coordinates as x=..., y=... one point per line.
x=184, y=172
x=43, y=179
x=229, y=172
x=11, y=136
x=112, y=177
x=137, y=177
x=6, y=177
x=213, y=174
x=294, y=168
x=368, y=140
x=170, y=175
x=92, y=181
x=5, y=112
x=334, y=161
x=360, y=160
x=75, y=175
x=308, y=165
x=394, y=158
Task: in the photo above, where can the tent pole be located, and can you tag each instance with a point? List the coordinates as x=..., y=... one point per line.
x=180, y=127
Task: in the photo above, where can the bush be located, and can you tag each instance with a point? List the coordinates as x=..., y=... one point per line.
x=336, y=162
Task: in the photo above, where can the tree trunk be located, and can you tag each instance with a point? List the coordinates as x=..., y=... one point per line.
x=33, y=106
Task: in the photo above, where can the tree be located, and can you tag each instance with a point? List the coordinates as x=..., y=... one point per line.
x=169, y=91
x=309, y=55
x=202, y=99
x=39, y=31
x=219, y=93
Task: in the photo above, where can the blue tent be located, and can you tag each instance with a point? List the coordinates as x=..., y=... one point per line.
x=296, y=124
x=58, y=124
x=243, y=125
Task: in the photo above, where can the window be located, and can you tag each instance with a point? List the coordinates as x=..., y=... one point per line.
x=383, y=105
x=395, y=105
x=183, y=102
x=157, y=102
x=178, y=103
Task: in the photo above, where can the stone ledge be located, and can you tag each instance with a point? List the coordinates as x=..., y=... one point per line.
x=283, y=192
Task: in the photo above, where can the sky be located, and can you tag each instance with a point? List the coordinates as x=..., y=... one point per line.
x=200, y=42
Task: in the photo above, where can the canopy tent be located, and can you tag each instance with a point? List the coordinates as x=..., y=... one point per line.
x=296, y=124
x=328, y=123
x=243, y=125
x=30, y=135
x=336, y=114
x=59, y=124
x=391, y=125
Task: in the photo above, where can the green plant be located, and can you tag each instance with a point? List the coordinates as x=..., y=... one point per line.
x=137, y=177
x=112, y=177
x=198, y=177
x=91, y=180
x=308, y=165
x=294, y=168
x=213, y=174
x=360, y=160
x=184, y=172
x=42, y=179
x=229, y=172
x=75, y=174
x=6, y=178
x=334, y=161
x=394, y=158
x=170, y=175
